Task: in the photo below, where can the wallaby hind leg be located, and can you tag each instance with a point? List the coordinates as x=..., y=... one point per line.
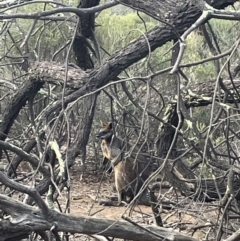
x=114, y=201
x=122, y=199
x=119, y=197
x=130, y=196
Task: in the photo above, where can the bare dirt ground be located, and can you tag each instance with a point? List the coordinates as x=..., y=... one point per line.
x=86, y=194
x=191, y=218
x=85, y=197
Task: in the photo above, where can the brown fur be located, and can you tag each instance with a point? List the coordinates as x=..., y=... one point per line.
x=129, y=177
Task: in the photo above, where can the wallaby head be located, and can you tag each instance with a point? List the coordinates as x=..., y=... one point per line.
x=106, y=132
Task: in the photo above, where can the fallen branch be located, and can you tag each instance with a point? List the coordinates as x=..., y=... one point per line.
x=27, y=219
x=32, y=192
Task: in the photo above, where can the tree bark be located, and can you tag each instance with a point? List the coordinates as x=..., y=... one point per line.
x=83, y=59
x=28, y=90
x=26, y=219
x=183, y=16
x=133, y=52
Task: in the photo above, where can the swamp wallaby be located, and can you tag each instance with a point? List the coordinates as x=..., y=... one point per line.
x=130, y=167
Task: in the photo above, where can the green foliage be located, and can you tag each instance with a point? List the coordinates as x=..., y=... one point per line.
x=225, y=33
x=45, y=39
x=116, y=31
x=195, y=52
x=118, y=27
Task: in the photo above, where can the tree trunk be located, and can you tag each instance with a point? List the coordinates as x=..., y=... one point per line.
x=83, y=59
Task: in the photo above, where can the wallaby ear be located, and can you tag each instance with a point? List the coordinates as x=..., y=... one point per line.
x=110, y=125
x=107, y=125
x=104, y=124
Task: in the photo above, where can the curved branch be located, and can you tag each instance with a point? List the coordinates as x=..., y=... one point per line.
x=85, y=225
x=28, y=90
x=32, y=192
x=27, y=157
x=132, y=53
x=79, y=12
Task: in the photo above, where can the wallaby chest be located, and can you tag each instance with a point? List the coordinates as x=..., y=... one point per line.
x=109, y=151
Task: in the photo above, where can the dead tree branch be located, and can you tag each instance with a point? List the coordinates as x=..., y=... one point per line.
x=33, y=220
